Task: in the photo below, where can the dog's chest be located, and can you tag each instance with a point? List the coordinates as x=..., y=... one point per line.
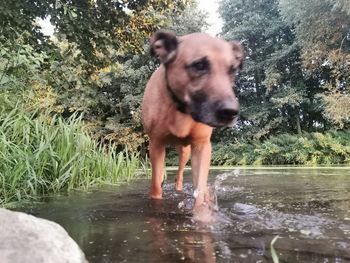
x=183, y=130
x=180, y=125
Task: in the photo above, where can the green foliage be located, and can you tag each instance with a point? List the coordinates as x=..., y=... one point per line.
x=96, y=63
x=94, y=26
x=238, y=153
x=306, y=149
x=271, y=86
x=20, y=63
x=41, y=155
x=19, y=18
x=322, y=32
x=337, y=108
x=296, y=75
x=191, y=20
x=121, y=96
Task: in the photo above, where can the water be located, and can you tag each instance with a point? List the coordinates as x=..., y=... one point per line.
x=309, y=209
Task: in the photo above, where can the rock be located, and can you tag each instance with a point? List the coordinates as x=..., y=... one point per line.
x=25, y=238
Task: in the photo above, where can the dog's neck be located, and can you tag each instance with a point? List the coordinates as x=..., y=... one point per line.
x=180, y=105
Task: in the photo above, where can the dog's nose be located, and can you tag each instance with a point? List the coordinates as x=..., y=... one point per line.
x=227, y=111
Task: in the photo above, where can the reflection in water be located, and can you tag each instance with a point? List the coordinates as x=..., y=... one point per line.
x=308, y=208
x=182, y=242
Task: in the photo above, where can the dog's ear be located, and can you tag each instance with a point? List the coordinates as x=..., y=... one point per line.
x=239, y=53
x=164, y=46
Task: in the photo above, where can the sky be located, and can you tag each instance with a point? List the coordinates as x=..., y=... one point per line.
x=46, y=27
x=209, y=6
x=214, y=20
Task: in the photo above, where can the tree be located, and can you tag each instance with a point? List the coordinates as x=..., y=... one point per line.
x=270, y=88
x=323, y=35
x=94, y=26
x=127, y=80
x=191, y=20
x=94, y=64
x=293, y=60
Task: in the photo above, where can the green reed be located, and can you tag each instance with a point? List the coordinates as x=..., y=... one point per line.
x=43, y=154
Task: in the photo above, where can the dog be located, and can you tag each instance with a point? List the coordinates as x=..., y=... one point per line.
x=185, y=98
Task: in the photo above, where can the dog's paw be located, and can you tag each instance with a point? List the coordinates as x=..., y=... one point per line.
x=155, y=196
x=179, y=186
x=203, y=213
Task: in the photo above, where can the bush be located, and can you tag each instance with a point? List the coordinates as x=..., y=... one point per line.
x=286, y=149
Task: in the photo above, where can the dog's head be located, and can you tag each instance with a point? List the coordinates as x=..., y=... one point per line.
x=201, y=73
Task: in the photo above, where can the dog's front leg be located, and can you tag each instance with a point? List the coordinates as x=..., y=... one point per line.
x=201, y=155
x=184, y=155
x=157, y=156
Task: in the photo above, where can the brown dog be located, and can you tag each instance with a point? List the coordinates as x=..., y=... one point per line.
x=191, y=92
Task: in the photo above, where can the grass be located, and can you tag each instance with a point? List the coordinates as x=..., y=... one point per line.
x=42, y=155
x=274, y=255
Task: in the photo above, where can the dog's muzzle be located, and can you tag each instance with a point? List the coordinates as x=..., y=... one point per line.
x=219, y=113
x=226, y=113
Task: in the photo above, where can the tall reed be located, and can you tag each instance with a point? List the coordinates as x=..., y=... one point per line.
x=40, y=155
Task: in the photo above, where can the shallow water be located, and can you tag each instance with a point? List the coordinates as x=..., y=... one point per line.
x=308, y=208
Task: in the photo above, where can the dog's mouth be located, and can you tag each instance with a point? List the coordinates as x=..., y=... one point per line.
x=215, y=113
x=226, y=118
x=215, y=123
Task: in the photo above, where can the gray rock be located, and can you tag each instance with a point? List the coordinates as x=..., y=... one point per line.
x=28, y=239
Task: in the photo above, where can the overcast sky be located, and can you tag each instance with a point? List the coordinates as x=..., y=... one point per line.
x=210, y=6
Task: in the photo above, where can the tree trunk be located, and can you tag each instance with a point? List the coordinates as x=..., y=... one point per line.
x=298, y=122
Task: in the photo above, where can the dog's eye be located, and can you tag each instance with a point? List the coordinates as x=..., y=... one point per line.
x=200, y=66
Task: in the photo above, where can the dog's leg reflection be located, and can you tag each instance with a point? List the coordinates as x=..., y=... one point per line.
x=199, y=247
x=184, y=155
x=181, y=244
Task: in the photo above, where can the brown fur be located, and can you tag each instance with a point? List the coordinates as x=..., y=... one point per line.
x=207, y=97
